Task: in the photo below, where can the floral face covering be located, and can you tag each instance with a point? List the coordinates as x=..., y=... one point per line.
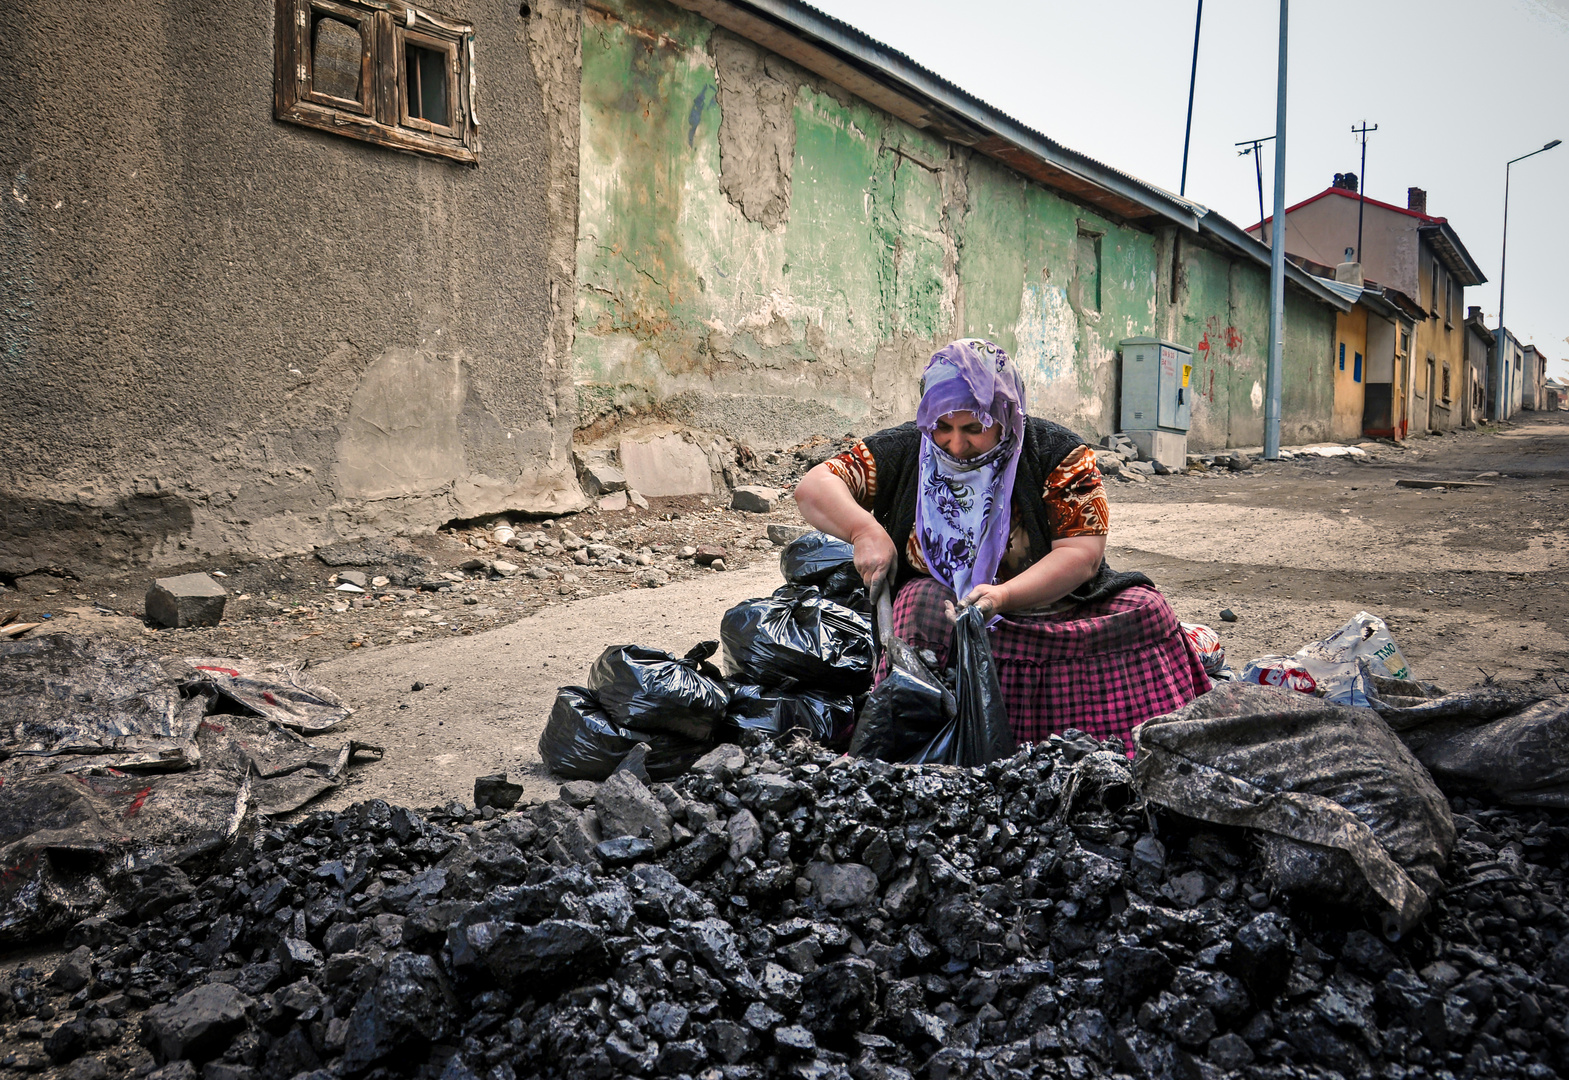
x=965, y=507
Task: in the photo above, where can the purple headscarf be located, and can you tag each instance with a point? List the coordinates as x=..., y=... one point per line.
x=963, y=514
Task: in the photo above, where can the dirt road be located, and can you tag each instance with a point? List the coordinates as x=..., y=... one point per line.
x=1473, y=581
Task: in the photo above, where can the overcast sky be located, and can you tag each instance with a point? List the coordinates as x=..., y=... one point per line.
x=1455, y=88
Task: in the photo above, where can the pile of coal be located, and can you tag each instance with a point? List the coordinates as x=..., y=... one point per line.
x=781, y=911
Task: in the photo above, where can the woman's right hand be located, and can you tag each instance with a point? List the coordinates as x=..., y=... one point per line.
x=874, y=554
x=826, y=504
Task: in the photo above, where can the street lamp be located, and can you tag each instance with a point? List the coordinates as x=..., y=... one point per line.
x=1501, y=397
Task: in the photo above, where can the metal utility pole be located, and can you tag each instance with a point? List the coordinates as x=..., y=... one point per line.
x=1252, y=147
x=1277, y=261
x=1361, y=133
x=1193, y=78
x=1500, y=370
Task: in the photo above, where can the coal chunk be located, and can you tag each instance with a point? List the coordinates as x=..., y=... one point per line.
x=840, y=998
x=198, y=1024
x=410, y=1003
x=516, y=955
x=1131, y=973
x=495, y=790
x=1261, y=956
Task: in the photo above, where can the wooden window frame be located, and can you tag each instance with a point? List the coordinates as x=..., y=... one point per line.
x=403, y=38
x=386, y=29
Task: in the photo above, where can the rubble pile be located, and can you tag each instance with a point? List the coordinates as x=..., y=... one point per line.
x=780, y=910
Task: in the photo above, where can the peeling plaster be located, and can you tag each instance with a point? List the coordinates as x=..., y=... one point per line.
x=722, y=288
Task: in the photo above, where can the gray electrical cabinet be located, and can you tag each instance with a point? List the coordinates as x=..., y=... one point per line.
x=1157, y=402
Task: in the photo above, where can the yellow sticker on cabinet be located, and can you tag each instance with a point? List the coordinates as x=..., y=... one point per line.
x=1187, y=369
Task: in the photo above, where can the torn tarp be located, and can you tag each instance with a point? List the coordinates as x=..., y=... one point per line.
x=104, y=765
x=279, y=692
x=67, y=695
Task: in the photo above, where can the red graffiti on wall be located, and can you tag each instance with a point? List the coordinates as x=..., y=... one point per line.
x=1226, y=338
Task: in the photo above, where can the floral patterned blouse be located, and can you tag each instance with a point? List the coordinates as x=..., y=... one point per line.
x=1075, y=504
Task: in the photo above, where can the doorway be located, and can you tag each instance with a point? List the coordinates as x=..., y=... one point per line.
x=1431, y=387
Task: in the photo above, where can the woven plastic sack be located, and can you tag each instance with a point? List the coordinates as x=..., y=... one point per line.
x=1506, y=744
x=1347, y=812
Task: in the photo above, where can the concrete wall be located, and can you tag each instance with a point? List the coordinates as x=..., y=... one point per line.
x=1323, y=229
x=222, y=331
x=1478, y=349
x=764, y=255
x=1350, y=372
x=1440, y=338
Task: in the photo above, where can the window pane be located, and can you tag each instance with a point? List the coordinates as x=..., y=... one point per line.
x=335, y=58
x=427, y=89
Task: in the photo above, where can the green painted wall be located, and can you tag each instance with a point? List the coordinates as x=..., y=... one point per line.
x=894, y=243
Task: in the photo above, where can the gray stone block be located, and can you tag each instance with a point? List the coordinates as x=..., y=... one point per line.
x=187, y=600
x=755, y=500
x=666, y=465
x=603, y=478
x=781, y=535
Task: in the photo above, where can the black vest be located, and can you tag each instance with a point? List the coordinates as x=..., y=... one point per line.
x=897, y=454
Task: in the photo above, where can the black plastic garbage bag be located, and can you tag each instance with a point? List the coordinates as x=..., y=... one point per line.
x=979, y=733
x=798, y=637
x=845, y=587
x=774, y=712
x=1508, y=744
x=1347, y=813
x=814, y=557
x=910, y=717
x=902, y=714
x=581, y=742
x=649, y=690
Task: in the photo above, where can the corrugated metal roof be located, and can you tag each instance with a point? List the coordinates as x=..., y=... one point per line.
x=1367, y=295
x=1344, y=288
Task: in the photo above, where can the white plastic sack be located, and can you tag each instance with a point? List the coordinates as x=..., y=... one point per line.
x=1338, y=682
x=1365, y=637
x=1338, y=667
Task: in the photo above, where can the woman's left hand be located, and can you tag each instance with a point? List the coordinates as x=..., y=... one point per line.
x=989, y=599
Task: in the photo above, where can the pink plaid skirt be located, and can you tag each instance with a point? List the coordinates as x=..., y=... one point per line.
x=1102, y=667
